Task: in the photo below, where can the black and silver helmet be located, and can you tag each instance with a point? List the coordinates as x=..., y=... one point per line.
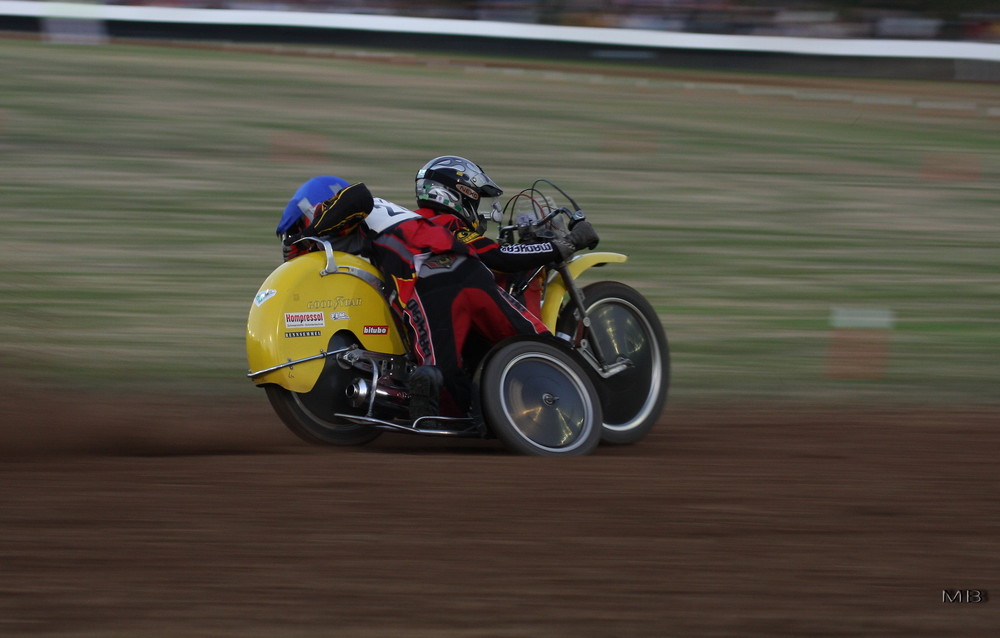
x=451, y=184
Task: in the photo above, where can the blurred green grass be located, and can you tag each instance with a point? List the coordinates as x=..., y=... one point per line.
x=140, y=186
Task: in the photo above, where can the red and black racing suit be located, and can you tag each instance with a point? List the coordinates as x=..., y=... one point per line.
x=441, y=271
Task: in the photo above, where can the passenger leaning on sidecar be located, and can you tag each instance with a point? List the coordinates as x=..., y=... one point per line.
x=300, y=210
x=316, y=209
x=441, y=264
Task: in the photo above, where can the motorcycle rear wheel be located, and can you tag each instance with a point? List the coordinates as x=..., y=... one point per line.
x=538, y=400
x=625, y=324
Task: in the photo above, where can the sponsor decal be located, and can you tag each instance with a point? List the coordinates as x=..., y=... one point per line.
x=419, y=323
x=303, y=333
x=468, y=192
x=467, y=236
x=339, y=316
x=304, y=320
x=440, y=261
x=526, y=249
x=263, y=296
x=376, y=330
x=335, y=303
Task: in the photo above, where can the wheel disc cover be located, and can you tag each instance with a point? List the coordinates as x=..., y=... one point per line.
x=546, y=401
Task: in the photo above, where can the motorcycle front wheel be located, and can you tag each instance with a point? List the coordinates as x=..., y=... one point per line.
x=538, y=400
x=625, y=325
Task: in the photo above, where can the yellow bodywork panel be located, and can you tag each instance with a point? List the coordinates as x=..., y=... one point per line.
x=555, y=290
x=297, y=310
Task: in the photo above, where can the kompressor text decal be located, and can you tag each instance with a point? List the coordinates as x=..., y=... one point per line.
x=304, y=320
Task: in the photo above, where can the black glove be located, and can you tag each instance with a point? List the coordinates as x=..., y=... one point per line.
x=565, y=248
x=583, y=235
x=289, y=248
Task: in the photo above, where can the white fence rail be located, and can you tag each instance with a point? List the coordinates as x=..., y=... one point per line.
x=912, y=49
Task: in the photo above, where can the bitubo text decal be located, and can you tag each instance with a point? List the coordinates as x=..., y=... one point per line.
x=376, y=330
x=304, y=320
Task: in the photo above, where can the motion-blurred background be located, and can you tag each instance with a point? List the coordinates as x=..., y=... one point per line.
x=804, y=238
x=818, y=234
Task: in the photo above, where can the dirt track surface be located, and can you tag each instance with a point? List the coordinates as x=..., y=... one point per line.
x=167, y=519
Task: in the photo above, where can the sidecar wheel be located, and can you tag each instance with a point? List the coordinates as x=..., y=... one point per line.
x=626, y=325
x=309, y=418
x=310, y=415
x=539, y=401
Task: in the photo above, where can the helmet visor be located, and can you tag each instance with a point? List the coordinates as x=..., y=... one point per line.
x=490, y=190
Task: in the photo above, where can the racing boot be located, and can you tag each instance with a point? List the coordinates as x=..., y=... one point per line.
x=425, y=387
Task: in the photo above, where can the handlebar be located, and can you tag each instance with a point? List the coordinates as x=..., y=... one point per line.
x=533, y=214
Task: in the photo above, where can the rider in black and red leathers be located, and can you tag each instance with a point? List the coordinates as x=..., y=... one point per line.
x=440, y=266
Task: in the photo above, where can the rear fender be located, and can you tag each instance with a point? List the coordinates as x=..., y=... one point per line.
x=302, y=304
x=555, y=289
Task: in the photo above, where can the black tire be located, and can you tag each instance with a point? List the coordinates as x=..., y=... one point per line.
x=625, y=324
x=310, y=415
x=539, y=400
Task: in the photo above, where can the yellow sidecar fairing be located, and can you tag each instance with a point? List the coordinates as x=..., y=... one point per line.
x=302, y=304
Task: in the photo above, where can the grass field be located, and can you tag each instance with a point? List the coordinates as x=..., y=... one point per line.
x=140, y=187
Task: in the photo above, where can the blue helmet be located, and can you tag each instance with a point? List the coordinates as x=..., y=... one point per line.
x=299, y=211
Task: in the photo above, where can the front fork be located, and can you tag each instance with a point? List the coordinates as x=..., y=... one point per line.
x=589, y=346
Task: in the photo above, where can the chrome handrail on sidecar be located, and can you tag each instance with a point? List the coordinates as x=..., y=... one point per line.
x=322, y=355
x=332, y=267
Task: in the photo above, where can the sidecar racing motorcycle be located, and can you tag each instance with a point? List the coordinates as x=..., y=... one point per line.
x=333, y=357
